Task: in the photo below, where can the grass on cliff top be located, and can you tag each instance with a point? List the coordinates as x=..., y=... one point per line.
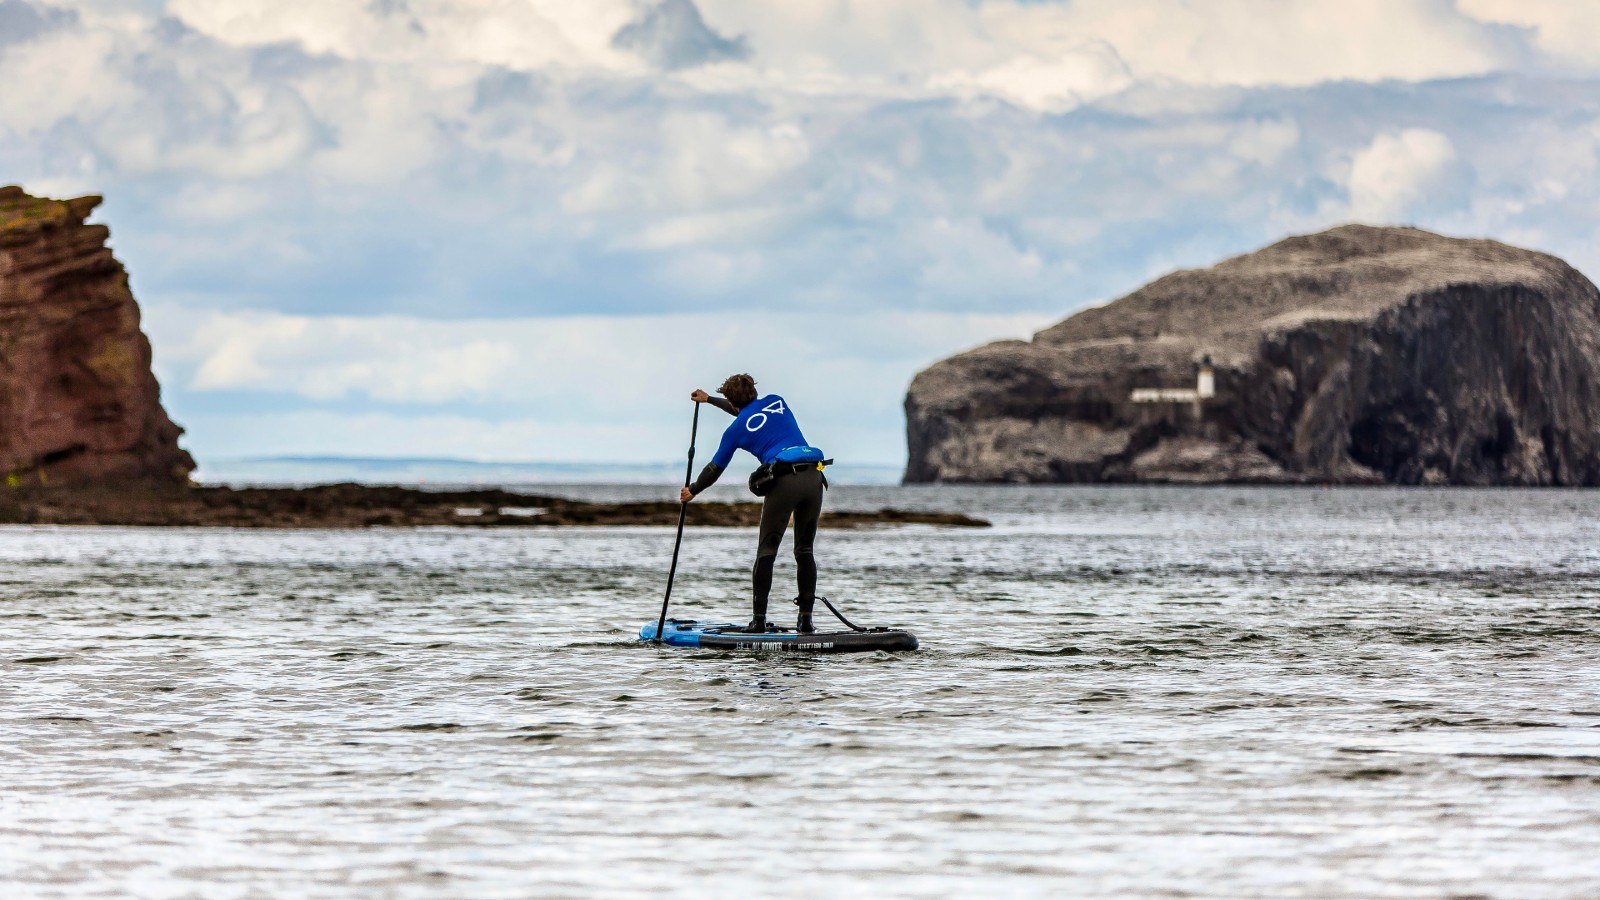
x=21, y=210
x=30, y=212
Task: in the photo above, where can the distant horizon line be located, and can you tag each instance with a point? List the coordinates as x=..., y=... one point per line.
x=455, y=460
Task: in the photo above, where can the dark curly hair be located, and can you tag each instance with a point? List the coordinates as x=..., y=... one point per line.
x=739, y=389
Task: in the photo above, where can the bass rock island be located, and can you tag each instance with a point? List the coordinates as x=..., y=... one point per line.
x=1359, y=355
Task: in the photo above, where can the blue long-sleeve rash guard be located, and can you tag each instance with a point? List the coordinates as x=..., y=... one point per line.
x=764, y=428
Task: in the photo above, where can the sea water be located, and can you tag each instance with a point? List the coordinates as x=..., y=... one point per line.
x=1144, y=691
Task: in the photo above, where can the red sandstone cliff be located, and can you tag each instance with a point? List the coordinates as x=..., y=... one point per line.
x=78, y=402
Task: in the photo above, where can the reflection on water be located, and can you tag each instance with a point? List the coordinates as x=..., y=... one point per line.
x=1210, y=691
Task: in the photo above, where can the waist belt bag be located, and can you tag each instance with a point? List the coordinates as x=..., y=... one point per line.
x=766, y=475
x=762, y=480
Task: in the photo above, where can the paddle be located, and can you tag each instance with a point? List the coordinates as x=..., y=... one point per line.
x=683, y=511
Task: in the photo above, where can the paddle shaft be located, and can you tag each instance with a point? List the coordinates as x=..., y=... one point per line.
x=683, y=511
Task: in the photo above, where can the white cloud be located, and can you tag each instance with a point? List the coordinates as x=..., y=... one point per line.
x=420, y=361
x=1264, y=142
x=523, y=34
x=1278, y=42
x=1567, y=30
x=481, y=203
x=702, y=160
x=314, y=432
x=672, y=35
x=1047, y=56
x=964, y=258
x=1054, y=84
x=706, y=229
x=847, y=372
x=392, y=359
x=61, y=74
x=1396, y=171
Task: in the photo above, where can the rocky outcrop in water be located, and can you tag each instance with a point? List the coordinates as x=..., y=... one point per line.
x=1358, y=355
x=367, y=506
x=78, y=402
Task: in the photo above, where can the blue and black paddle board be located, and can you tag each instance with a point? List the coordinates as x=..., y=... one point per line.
x=727, y=636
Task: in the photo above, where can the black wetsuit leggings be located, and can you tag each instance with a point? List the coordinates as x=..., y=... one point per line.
x=799, y=495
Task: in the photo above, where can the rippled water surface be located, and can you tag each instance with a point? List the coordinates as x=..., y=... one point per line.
x=1139, y=691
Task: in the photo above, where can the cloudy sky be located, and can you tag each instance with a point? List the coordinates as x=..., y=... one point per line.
x=524, y=229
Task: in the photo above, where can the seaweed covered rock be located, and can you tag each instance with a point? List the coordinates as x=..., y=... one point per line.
x=78, y=401
x=1357, y=355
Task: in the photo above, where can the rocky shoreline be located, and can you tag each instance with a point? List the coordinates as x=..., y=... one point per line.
x=370, y=506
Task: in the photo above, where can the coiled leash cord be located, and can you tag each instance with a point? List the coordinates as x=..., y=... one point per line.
x=840, y=616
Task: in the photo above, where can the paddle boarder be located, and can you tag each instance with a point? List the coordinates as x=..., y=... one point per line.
x=790, y=482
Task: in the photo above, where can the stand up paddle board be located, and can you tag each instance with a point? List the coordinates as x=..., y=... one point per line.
x=728, y=636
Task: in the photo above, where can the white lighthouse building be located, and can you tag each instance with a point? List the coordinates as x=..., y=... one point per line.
x=1205, y=387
